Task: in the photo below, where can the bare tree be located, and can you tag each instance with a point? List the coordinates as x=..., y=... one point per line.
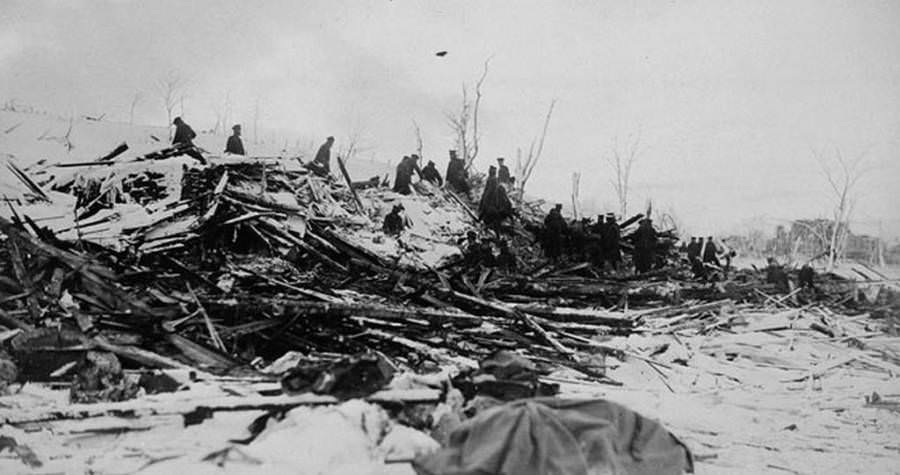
x=222, y=111
x=843, y=176
x=170, y=90
x=420, y=144
x=525, y=165
x=464, y=123
x=621, y=161
x=137, y=98
x=576, y=183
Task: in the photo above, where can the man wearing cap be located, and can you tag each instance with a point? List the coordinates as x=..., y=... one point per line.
x=393, y=222
x=457, y=176
x=235, y=145
x=503, y=176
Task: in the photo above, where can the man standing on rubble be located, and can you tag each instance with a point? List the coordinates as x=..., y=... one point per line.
x=710, y=253
x=693, y=255
x=457, y=176
x=644, y=246
x=321, y=165
x=555, y=230
x=609, y=238
x=394, y=222
x=503, y=176
x=235, y=145
x=494, y=206
x=184, y=138
x=506, y=260
x=403, y=178
x=431, y=174
x=776, y=276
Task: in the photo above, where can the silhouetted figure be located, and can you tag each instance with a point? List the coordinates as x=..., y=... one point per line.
x=235, y=145
x=393, y=222
x=184, y=138
x=806, y=277
x=457, y=176
x=644, y=246
x=494, y=206
x=506, y=260
x=609, y=239
x=321, y=164
x=477, y=253
x=693, y=256
x=503, y=175
x=555, y=230
x=431, y=174
x=710, y=253
x=184, y=134
x=403, y=178
x=776, y=276
x=579, y=238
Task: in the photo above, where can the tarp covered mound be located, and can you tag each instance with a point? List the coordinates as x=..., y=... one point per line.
x=545, y=436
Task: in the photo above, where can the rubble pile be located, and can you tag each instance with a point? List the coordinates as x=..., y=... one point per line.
x=253, y=284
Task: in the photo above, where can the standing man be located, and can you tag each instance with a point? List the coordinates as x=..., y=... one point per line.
x=503, y=176
x=610, y=242
x=554, y=230
x=710, y=253
x=235, y=145
x=494, y=206
x=644, y=246
x=457, y=176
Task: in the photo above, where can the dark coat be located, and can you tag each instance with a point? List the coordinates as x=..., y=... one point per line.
x=494, y=206
x=709, y=252
x=184, y=134
x=323, y=157
x=503, y=175
x=393, y=224
x=431, y=174
x=645, y=241
x=403, y=178
x=234, y=145
x=457, y=176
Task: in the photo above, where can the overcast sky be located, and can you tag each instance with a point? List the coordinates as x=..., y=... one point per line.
x=730, y=98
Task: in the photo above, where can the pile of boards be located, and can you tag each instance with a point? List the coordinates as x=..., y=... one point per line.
x=243, y=261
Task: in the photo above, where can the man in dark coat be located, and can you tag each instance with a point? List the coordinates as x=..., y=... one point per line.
x=555, y=230
x=506, y=260
x=503, y=175
x=494, y=206
x=184, y=138
x=184, y=134
x=776, y=276
x=431, y=174
x=457, y=176
x=235, y=145
x=393, y=222
x=710, y=253
x=693, y=255
x=403, y=178
x=321, y=164
x=644, y=246
x=609, y=238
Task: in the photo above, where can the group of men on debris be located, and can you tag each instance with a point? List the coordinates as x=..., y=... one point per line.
x=598, y=243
